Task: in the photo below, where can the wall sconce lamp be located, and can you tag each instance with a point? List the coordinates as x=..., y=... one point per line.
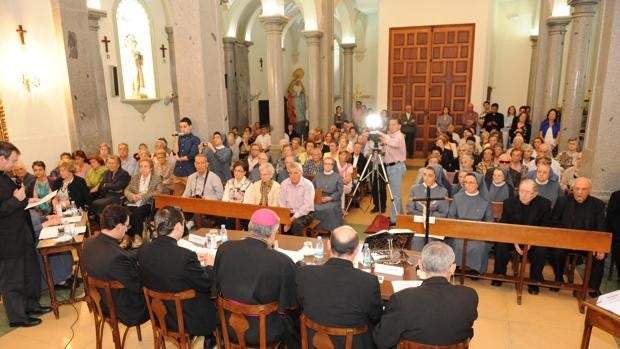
x=260, y=62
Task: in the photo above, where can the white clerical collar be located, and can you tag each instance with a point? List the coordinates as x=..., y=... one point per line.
x=499, y=184
x=432, y=186
x=474, y=194
x=220, y=147
x=328, y=173
x=541, y=183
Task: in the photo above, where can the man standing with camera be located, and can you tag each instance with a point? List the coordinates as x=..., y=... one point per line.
x=394, y=160
x=185, y=147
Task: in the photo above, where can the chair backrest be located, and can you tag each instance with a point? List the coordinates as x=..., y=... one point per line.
x=157, y=312
x=407, y=344
x=239, y=322
x=497, y=207
x=318, y=195
x=321, y=338
x=94, y=302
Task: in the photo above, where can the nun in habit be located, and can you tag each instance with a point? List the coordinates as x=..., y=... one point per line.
x=470, y=204
x=329, y=211
x=499, y=188
x=438, y=208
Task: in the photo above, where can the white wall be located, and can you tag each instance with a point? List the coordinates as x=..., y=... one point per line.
x=365, y=66
x=258, y=78
x=36, y=121
x=404, y=13
x=126, y=123
x=511, y=53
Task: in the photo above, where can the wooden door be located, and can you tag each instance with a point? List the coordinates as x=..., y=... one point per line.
x=430, y=67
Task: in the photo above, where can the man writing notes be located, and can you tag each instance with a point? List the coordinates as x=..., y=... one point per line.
x=436, y=312
x=336, y=294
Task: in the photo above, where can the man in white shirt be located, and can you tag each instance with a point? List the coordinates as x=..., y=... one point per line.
x=264, y=139
x=128, y=163
x=203, y=183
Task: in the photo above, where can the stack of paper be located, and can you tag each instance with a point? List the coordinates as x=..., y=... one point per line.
x=610, y=301
x=398, y=285
x=296, y=256
x=193, y=247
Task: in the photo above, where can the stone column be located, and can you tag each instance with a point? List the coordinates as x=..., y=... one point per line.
x=275, y=79
x=347, y=86
x=242, y=64
x=86, y=102
x=313, y=80
x=533, y=64
x=600, y=158
x=327, y=63
x=537, y=113
x=577, y=66
x=172, y=60
x=554, y=53
x=200, y=69
x=231, y=79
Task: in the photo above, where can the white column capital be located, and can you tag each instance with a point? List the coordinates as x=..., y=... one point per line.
x=534, y=39
x=557, y=25
x=347, y=49
x=313, y=37
x=247, y=44
x=273, y=24
x=229, y=43
x=93, y=18
x=583, y=7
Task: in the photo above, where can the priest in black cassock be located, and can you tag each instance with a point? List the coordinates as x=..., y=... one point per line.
x=584, y=212
x=249, y=271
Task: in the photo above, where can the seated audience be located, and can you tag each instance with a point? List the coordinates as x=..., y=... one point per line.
x=162, y=144
x=255, y=150
x=436, y=312
x=329, y=211
x=282, y=173
x=167, y=267
x=469, y=204
x=266, y=191
x=254, y=174
x=486, y=163
x=547, y=187
x=528, y=208
x=94, y=175
x=219, y=156
x=264, y=138
x=54, y=172
x=40, y=188
x=337, y=294
x=438, y=208
x=297, y=194
x=571, y=174
x=24, y=177
x=580, y=210
x=104, y=151
x=233, y=144
x=70, y=187
x=545, y=161
x=163, y=168
x=568, y=157
x=357, y=159
x=499, y=188
x=112, y=186
x=517, y=169
x=544, y=151
x=244, y=146
x=128, y=163
x=203, y=184
x=139, y=195
x=81, y=165
x=345, y=169
x=237, y=187
x=103, y=259
x=249, y=271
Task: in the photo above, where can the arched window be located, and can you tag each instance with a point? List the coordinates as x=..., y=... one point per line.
x=133, y=29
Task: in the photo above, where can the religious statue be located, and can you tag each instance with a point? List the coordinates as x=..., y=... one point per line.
x=296, y=103
x=132, y=44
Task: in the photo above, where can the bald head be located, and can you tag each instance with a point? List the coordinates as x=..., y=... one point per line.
x=344, y=242
x=582, y=187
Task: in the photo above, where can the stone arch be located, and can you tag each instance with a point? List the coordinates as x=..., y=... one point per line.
x=344, y=12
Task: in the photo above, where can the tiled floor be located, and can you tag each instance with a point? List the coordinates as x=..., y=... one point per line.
x=548, y=320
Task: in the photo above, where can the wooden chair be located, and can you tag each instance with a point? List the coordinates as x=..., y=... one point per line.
x=239, y=322
x=321, y=338
x=497, y=207
x=157, y=312
x=407, y=344
x=94, y=303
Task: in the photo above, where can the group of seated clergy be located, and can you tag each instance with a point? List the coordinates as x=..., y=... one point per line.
x=249, y=271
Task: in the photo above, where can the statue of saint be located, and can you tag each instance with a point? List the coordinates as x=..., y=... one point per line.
x=296, y=103
x=138, y=81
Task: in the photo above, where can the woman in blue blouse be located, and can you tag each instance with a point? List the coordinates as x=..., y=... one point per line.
x=550, y=128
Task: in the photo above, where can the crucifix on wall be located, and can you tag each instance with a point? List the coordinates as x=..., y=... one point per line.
x=163, y=52
x=106, y=41
x=21, y=32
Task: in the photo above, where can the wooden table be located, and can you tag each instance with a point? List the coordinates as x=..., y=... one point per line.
x=49, y=247
x=295, y=243
x=601, y=318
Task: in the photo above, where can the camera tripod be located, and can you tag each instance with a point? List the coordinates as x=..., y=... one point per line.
x=375, y=170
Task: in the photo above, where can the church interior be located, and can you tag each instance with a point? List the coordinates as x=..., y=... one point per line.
x=78, y=73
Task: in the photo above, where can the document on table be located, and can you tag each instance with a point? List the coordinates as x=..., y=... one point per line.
x=610, y=301
x=399, y=285
x=71, y=219
x=46, y=198
x=296, y=256
x=52, y=232
x=193, y=247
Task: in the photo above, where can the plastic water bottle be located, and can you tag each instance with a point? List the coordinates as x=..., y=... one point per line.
x=74, y=209
x=223, y=234
x=318, y=249
x=366, y=256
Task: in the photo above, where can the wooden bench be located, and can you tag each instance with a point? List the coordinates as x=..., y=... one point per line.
x=235, y=210
x=571, y=239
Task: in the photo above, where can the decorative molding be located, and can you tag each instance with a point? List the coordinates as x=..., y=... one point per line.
x=141, y=105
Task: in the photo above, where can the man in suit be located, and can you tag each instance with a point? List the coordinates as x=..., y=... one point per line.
x=528, y=208
x=436, y=312
x=20, y=282
x=112, y=186
x=249, y=271
x=408, y=122
x=166, y=267
x=337, y=294
x=104, y=260
x=358, y=160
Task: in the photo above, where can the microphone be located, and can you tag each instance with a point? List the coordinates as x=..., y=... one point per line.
x=18, y=182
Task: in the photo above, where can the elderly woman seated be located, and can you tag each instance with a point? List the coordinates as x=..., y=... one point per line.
x=329, y=210
x=266, y=191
